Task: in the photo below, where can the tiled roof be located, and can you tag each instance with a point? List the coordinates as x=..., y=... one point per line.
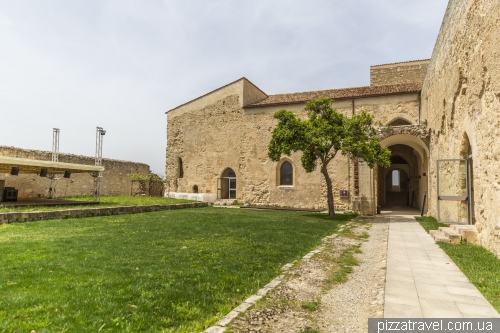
x=344, y=93
x=402, y=62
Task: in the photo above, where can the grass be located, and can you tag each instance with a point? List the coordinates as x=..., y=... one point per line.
x=345, y=263
x=481, y=267
x=168, y=271
x=310, y=306
x=430, y=223
x=106, y=201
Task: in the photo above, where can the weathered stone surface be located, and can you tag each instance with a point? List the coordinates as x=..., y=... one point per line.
x=86, y=212
x=115, y=179
x=461, y=100
x=403, y=72
x=215, y=132
x=228, y=318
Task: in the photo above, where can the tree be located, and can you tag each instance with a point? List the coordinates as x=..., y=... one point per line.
x=152, y=180
x=323, y=135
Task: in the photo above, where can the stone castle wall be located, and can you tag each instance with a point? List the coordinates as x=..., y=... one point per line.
x=115, y=179
x=232, y=139
x=403, y=72
x=461, y=101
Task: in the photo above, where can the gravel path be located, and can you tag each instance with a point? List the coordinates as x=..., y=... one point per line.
x=308, y=301
x=347, y=307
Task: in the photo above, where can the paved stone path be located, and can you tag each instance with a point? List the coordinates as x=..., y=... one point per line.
x=422, y=281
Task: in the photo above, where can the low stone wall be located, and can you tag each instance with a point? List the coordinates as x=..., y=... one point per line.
x=115, y=179
x=89, y=212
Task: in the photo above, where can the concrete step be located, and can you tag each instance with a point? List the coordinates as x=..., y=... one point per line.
x=441, y=238
x=455, y=234
x=467, y=232
x=459, y=227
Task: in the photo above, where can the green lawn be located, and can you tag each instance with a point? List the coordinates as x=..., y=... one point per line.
x=168, y=271
x=429, y=223
x=106, y=201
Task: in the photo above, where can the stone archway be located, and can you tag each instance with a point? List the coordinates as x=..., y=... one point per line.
x=409, y=155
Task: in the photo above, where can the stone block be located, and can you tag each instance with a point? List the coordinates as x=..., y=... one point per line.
x=243, y=307
x=228, y=318
x=252, y=299
x=215, y=329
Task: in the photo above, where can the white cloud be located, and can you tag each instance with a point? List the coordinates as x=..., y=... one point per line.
x=122, y=64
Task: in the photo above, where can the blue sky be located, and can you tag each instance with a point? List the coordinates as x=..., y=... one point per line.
x=120, y=65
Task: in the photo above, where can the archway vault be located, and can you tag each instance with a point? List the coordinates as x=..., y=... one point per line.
x=409, y=140
x=415, y=151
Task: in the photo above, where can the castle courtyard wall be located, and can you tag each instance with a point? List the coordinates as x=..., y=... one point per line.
x=115, y=179
x=461, y=101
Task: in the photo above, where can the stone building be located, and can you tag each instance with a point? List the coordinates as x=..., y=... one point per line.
x=218, y=144
x=440, y=119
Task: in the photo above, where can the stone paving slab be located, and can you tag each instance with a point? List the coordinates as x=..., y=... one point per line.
x=422, y=281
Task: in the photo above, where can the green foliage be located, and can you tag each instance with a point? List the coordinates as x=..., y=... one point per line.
x=310, y=306
x=106, y=201
x=147, y=178
x=323, y=135
x=429, y=223
x=143, y=178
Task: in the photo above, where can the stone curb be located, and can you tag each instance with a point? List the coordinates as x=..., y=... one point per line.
x=89, y=212
x=226, y=320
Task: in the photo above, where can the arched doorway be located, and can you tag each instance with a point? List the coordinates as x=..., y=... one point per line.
x=397, y=182
x=404, y=183
x=226, y=185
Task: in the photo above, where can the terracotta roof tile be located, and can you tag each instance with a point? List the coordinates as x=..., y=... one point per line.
x=344, y=93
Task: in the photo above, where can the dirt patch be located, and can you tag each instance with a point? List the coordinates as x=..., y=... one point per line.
x=336, y=290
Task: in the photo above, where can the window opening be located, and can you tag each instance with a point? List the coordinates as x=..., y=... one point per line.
x=181, y=170
x=395, y=177
x=286, y=173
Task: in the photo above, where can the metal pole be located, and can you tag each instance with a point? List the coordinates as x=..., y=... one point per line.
x=98, y=162
x=55, y=158
x=55, y=145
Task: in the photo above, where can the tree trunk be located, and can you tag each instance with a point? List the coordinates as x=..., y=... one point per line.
x=329, y=191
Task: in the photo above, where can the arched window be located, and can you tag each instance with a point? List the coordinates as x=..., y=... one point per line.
x=395, y=178
x=286, y=173
x=228, y=173
x=181, y=170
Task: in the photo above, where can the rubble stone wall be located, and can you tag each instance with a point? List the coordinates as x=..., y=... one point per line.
x=461, y=101
x=403, y=72
x=115, y=179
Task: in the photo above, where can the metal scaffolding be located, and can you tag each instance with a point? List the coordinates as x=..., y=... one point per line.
x=100, y=132
x=55, y=158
